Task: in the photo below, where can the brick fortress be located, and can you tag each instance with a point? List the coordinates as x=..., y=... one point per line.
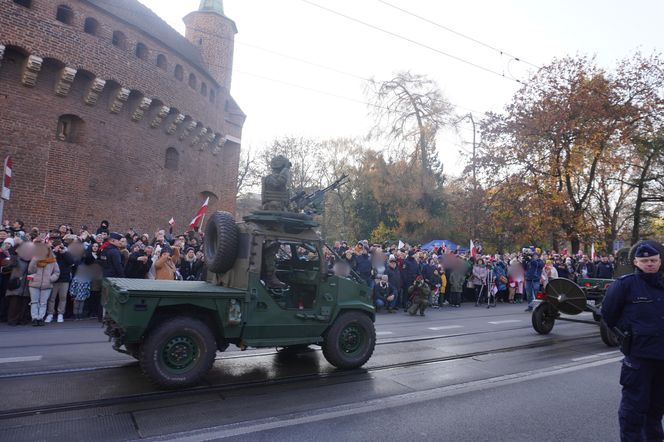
x=109, y=113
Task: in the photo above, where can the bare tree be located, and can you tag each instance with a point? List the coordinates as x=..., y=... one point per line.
x=409, y=109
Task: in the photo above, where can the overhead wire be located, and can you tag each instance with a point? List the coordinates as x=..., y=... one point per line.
x=455, y=32
x=410, y=40
x=304, y=61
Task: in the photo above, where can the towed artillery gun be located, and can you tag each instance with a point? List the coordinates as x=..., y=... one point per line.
x=563, y=296
x=175, y=328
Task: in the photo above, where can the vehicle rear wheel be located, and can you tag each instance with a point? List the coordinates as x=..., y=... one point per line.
x=132, y=350
x=221, y=242
x=608, y=336
x=178, y=352
x=543, y=319
x=350, y=341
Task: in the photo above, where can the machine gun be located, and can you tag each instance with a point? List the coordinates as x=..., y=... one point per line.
x=312, y=203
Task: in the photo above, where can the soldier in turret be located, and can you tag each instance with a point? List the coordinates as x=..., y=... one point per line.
x=275, y=194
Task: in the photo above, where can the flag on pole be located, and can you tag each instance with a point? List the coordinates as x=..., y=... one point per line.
x=199, y=215
x=171, y=221
x=401, y=244
x=473, y=250
x=592, y=251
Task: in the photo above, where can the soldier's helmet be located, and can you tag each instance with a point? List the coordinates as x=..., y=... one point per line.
x=279, y=162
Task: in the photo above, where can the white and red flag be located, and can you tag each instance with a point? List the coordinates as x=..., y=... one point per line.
x=473, y=249
x=171, y=221
x=199, y=215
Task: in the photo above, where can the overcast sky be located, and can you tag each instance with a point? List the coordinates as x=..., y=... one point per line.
x=283, y=96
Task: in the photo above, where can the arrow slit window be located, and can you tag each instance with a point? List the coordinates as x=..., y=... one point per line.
x=69, y=129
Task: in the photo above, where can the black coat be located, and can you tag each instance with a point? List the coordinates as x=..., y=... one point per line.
x=136, y=269
x=635, y=303
x=190, y=270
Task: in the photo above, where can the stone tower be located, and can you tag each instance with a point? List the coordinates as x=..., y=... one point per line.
x=214, y=33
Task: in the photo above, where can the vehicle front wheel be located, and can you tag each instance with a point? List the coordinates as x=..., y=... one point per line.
x=350, y=341
x=178, y=352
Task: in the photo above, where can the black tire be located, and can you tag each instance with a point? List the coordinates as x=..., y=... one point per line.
x=350, y=341
x=133, y=350
x=221, y=242
x=544, y=318
x=608, y=336
x=167, y=344
x=597, y=317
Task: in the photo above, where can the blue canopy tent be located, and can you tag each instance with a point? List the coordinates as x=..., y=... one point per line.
x=449, y=245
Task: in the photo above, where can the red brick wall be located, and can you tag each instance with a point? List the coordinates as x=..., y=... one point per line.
x=116, y=171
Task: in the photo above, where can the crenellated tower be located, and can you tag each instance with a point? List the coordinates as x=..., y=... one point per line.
x=214, y=33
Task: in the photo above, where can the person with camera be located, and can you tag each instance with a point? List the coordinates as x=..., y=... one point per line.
x=61, y=287
x=634, y=306
x=384, y=295
x=419, y=296
x=533, y=266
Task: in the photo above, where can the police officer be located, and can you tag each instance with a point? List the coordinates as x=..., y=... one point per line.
x=635, y=305
x=110, y=257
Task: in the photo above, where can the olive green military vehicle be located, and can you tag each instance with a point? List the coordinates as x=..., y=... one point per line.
x=175, y=328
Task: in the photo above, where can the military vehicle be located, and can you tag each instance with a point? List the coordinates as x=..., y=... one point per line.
x=175, y=328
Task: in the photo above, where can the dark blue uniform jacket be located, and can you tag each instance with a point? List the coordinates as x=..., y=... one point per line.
x=635, y=303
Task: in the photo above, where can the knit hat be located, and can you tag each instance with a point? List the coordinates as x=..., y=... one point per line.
x=115, y=235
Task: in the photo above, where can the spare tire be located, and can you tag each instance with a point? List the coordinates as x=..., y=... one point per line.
x=655, y=244
x=221, y=242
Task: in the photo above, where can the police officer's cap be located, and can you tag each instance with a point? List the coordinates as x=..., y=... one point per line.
x=646, y=251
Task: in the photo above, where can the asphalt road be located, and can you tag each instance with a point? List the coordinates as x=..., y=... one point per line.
x=563, y=386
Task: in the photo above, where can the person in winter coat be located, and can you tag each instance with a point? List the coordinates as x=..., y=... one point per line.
x=190, y=267
x=479, y=279
x=500, y=277
x=384, y=295
x=43, y=271
x=419, y=296
x=80, y=287
x=457, y=281
x=139, y=263
x=61, y=286
x=364, y=267
x=18, y=295
x=166, y=265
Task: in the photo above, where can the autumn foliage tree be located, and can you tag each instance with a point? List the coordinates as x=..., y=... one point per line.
x=560, y=135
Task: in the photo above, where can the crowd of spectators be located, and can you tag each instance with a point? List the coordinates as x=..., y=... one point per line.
x=453, y=276
x=47, y=276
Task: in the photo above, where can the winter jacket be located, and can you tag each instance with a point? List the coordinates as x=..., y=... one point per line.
x=480, y=274
x=165, y=267
x=394, y=277
x=65, y=264
x=411, y=270
x=534, y=269
x=190, y=270
x=457, y=280
x=44, y=273
x=135, y=268
x=19, y=270
x=364, y=266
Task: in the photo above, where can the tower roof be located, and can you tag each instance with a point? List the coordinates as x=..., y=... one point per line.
x=212, y=6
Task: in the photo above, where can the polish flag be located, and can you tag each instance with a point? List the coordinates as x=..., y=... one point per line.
x=473, y=250
x=592, y=252
x=171, y=221
x=200, y=214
